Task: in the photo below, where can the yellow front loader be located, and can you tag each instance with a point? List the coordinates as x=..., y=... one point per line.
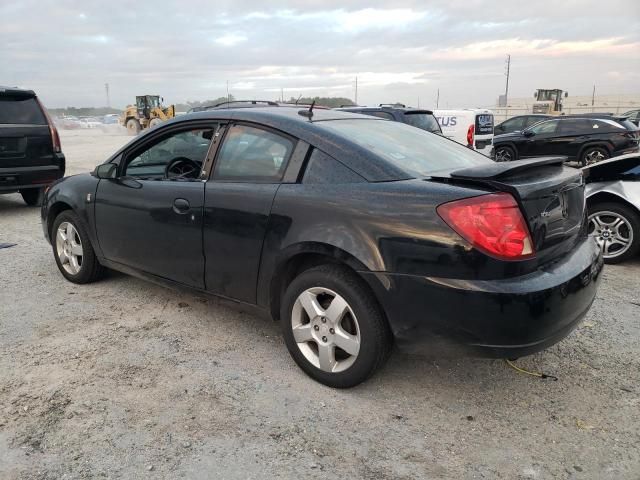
x=147, y=112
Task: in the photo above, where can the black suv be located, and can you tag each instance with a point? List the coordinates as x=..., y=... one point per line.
x=415, y=117
x=519, y=122
x=579, y=138
x=30, y=152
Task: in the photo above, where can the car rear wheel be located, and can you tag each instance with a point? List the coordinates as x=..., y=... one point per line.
x=333, y=326
x=505, y=154
x=133, y=126
x=72, y=250
x=593, y=155
x=32, y=196
x=616, y=229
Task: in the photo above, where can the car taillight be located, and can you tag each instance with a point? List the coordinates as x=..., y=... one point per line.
x=470, y=134
x=55, y=137
x=492, y=223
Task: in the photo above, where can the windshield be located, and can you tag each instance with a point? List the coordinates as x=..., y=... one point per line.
x=423, y=120
x=416, y=151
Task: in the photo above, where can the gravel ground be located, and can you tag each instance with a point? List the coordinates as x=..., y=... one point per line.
x=125, y=379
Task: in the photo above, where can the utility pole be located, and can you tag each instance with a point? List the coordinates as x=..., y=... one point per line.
x=438, y=99
x=228, y=99
x=506, y=88
x=593, y=97
x=106, y=88
x=281, y=94
x=356, y=90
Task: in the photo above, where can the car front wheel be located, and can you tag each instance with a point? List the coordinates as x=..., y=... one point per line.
x=616, y=229
x=333, y=326
x=72, y=249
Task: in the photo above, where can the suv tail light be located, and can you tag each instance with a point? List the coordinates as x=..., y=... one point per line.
x=55, y=137
x=470, y=134
x=492, y=223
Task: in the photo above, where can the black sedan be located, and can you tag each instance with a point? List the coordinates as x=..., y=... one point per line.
x=352, y=231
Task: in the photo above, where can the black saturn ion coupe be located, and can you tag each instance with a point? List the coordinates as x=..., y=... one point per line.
x=353, y=231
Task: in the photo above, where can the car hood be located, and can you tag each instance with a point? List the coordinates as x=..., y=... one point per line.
x=613, y=169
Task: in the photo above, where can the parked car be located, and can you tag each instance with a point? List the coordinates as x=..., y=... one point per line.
x=353, y=231
x=584, y=139
x=90, y=122
x=519, y=123
x=472, y=127
x=110, y=119
x=30, y=152
x=613, y=201
x=633, y=116
x=415, y=117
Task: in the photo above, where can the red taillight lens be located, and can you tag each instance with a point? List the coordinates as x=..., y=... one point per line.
x=55, y=137
x=470, y=134
x=492, y=223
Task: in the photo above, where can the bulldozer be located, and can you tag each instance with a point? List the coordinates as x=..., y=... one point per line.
x=548, y=101
x=147, y=112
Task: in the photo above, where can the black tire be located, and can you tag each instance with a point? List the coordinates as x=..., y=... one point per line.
x=632, y=219
x=133, y=126
x=375, y=336
x=32, y=196
x=505, y=153
x=90, y=268
x=591, y=155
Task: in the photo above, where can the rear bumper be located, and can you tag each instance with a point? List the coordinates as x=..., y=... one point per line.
x=13, y=179
x=499, y=318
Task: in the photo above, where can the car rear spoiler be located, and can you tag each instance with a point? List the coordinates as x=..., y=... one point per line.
x=493, y=171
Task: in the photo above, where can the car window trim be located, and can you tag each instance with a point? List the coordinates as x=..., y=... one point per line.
x=210, y=177
x=163, y=133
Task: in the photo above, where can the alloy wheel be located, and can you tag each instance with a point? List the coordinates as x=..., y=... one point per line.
x=594, y=156
x=325, y=329
x=612, y=232
x=503, y=155
x=69, y=248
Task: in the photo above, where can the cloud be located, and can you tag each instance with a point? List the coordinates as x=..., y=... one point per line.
x=68, y=50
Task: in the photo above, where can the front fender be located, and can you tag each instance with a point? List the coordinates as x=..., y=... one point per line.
x=76, y=193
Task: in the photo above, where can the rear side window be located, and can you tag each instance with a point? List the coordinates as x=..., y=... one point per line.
x=545, y=127
x=20, y=110
x=252, y=154
x=424, y=121
x=323, y=168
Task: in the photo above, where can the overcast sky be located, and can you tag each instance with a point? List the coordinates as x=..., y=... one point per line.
x=400, y=51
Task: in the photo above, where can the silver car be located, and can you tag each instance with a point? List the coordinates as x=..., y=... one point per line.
x=613, y=201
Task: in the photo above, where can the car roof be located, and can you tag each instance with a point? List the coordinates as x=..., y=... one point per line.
x=290, y=122
x=401, y=108
x=15, y=91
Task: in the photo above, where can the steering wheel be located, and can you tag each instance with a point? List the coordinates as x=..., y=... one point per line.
x=182, y=167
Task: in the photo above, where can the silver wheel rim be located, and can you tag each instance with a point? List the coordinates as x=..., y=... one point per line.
x=503, y=155
x=594, y=156
x=69, y=248
x=325, y=329
x=612, y=232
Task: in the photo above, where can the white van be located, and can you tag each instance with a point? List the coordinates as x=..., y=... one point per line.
x=472, y=127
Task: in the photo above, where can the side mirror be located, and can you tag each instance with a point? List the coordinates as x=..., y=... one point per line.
x=535, y=95
x=566, y=94
x=105, y=171
x=528, y=133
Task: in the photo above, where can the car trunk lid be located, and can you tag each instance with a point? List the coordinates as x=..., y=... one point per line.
x=550, y=195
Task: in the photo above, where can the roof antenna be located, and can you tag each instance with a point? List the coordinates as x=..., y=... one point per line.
x=308, y=113
x=298, y=99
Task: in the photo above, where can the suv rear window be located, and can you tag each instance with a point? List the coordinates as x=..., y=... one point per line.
x=484, y=124
x=419, y=153
x=423, y=120
x=20, y=110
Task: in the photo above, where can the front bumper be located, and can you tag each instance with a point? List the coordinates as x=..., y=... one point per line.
x=497, y=318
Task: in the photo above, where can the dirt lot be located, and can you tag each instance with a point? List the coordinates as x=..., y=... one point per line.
x=125, y=379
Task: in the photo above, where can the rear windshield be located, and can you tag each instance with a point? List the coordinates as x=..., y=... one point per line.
x=484, y=124
x=419, y=153
x=21, y=110
x=422, y=120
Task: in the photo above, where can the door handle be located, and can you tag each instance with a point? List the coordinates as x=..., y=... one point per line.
x=181, y=206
